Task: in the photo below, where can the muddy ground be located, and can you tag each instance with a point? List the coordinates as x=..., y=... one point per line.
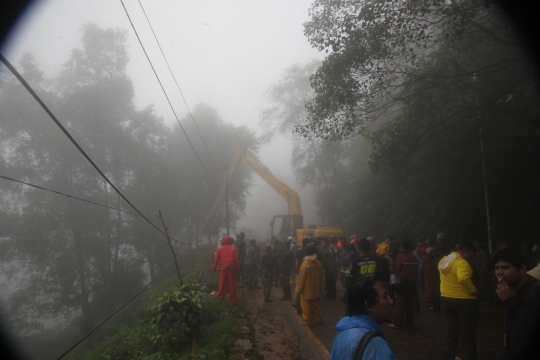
x=277, y=330
x=279, y=335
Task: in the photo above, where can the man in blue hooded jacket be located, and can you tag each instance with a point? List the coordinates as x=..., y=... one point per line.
x=370, y=305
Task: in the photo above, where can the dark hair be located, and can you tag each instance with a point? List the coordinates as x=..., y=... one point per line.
x=362, y=295
x=364, y=245
x=467, y=245
x=515, y=257
x=406, y=245
x=305, y=241
x=310, y=249
x=253, y=241
x=351, y=248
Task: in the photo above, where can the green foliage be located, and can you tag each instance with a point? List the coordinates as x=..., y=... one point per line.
x=72, y=261
x=177, y=315
x=376, y=47
x=167, y=328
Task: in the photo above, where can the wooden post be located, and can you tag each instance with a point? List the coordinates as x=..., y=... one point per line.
x=227, y=199
x=172, y=250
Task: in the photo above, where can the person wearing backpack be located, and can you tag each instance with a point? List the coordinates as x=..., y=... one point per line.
x=360, y=335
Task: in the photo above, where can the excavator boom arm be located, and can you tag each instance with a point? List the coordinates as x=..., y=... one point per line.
x=287, y=193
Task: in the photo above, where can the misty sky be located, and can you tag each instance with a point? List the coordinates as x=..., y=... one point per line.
x=223, y=53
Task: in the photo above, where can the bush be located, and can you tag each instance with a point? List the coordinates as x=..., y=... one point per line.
x=176, y=316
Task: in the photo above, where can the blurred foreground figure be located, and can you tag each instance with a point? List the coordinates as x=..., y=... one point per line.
x=519, y=291
x=459, y=304
x=309, y=286
x=228, y=256
x=370, y=306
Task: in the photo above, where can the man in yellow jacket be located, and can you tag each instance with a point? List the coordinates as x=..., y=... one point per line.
x=309, y=285
x=458, y=300
x=383, y=250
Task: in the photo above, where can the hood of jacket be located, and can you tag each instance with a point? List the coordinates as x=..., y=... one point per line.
x=448, y=261
x=310, y=257
x=226, y=240
x=359, y=322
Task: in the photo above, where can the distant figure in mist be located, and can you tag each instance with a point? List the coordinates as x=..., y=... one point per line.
x=228, y=256
x=240, y=244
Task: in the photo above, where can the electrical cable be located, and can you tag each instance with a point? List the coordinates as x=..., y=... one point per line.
x=131, y=299
x=178, y=86
x=64, y=130
x=117, y=310
x=164, y=92
x=69, y=196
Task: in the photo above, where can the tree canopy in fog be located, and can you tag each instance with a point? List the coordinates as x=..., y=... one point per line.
x=378, y=52
x=423, y=83
x=77, y=261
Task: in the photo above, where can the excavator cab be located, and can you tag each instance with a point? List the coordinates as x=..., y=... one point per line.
x=288, y=226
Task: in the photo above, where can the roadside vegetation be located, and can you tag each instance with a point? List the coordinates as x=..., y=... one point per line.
x=170, y=321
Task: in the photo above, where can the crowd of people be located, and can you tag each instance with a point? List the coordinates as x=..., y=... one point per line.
x=381, y=284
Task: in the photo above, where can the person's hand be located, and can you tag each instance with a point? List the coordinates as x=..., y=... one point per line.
x=504, y=291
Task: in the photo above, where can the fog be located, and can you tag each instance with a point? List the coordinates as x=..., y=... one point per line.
x=381, y=131
x=225, y=54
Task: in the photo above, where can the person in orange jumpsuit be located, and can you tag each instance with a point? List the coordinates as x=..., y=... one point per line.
x=228, y=256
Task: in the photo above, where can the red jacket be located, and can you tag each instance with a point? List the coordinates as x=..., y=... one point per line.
x=406, y=266
x=227, y=254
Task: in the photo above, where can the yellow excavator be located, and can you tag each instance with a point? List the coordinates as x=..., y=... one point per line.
x=292, y=224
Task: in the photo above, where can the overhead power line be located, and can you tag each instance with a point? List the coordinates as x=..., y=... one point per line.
x=132, y=298
x=69, y=196
x=64, y=130
x=164, y=92
x=178, y=86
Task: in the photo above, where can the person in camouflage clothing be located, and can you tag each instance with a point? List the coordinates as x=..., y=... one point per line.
x=267, y=272
x=252, y=262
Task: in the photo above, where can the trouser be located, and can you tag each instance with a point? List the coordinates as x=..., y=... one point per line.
x=252, y=276
x=346, y=285
x=436, y=290
x=310, y=307
x=429, y=286
x=227, y=283
x=295, y=303
x=241, y=268
x=331, y=280
x=285, y=285
x=485, y=295
x=267, y=286
x=405, y=305
x=461, y=319
x=277, y=272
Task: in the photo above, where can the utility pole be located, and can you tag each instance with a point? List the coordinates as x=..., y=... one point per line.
x=484, y=171
x=485, y=190
x=172, y=249
x=227, y=198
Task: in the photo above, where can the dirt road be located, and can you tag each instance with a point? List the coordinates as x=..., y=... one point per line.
x=279, y=334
